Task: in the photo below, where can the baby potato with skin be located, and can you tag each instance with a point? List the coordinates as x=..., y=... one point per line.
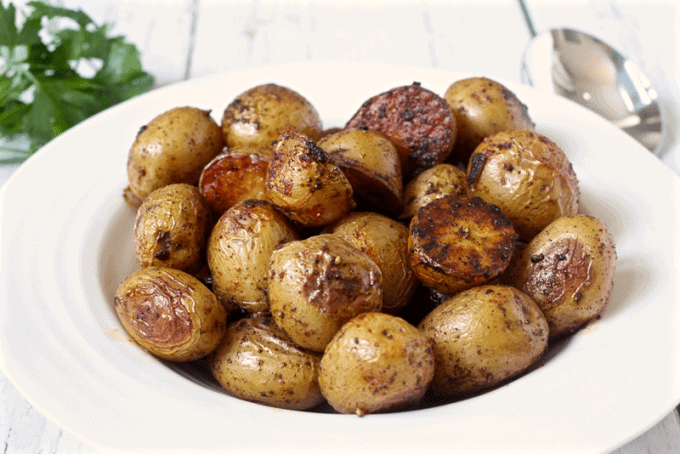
x=256, y=361
x=434, y=183
x=483, y=337
x=171, y=228
x=318, y=284
x=170, y=313
x=568, y=270
x=173, y=148
x=239, y=249
x=376, y=363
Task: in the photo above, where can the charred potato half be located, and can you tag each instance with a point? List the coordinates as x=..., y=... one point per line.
x=170, y=313
x=434, y=183
x=483, y=337
x=568, y=270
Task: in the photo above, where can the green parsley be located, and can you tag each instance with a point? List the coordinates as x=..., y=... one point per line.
x=45, y=87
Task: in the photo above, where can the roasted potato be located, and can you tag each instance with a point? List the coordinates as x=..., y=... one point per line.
x=239, y=249
x=259, y=115
x=173, y=148
x=419, y=123
x=305, y=183
x=256, y=361
x=170, y=313
x=527, y=176
x=456, y=243
x=434, y=183
x=376, y=363
x=568, y=270
x=386, y=242
x=171, y=228
x=318, y=284
x=483, y=337
x=483, y=107
x=234, y=176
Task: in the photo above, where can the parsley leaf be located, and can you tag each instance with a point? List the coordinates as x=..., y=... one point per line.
x=57, y=69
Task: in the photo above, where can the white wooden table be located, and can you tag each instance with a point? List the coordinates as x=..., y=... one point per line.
x=182, y=39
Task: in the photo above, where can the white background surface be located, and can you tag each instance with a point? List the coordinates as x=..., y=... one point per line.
x=182, y=39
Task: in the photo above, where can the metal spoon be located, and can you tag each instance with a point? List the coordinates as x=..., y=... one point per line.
x=588, y=71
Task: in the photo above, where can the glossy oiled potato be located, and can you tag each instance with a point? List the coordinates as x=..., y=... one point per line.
x=171, y=228
x=256, y=361
x=173, y=148
x=371, y=164
x=434, y=183
x=259, y=115
x=386, y=242
x=483, y=107
x=527, y=176
x=239, y=249
x=305, y=183
x=483, y=337
x=170, y=313
x=318, y=284
x=376, y=363
x=568, y=270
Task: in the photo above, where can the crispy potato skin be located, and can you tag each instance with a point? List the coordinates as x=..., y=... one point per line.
x=483, y=107
x=256, y=361
x=456, y=243
x=386, y=242
x=170, y=313
x=527, y=176
x=305, y=183
x=259, y=115
x=376, y=363
x=568, y=270
x=239, y=249
x=171, y=228
x=173, y=148
x=434, y=183
x=419, y=123
x=483, y=337
x=318, y=284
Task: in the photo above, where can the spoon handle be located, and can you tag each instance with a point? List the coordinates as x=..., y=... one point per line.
x=527, y=18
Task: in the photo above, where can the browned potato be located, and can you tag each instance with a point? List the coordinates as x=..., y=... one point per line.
x=170, y=313
x=304, y=182
x=259, y=115
x=483, y=107
x=419, y=123
x=173, y=148
x=371, y=164
x=386, y=242
x=568, y=270
x=434, y=183
x=239, y=249
x=256, y=361
x=234, y=176
x=318, y=284
x=527, y=176
x=483, y=337
x=376, y=363
x=171, y=228
x=456, y=243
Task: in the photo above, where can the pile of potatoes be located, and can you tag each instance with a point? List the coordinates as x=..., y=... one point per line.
x=434, y=245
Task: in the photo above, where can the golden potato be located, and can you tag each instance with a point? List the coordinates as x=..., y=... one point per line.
x=376, y=363
x=483, y=107
x=527, y=176
x=239, y=249
x=386, y=242
x=305, y=184
x=256, y=361
x=434, y=183
x=173, y=148
x=171, y=228
x=170, y=313
x=259, y=115
x=568, y=270
x=483, y=337
x=318, y=284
